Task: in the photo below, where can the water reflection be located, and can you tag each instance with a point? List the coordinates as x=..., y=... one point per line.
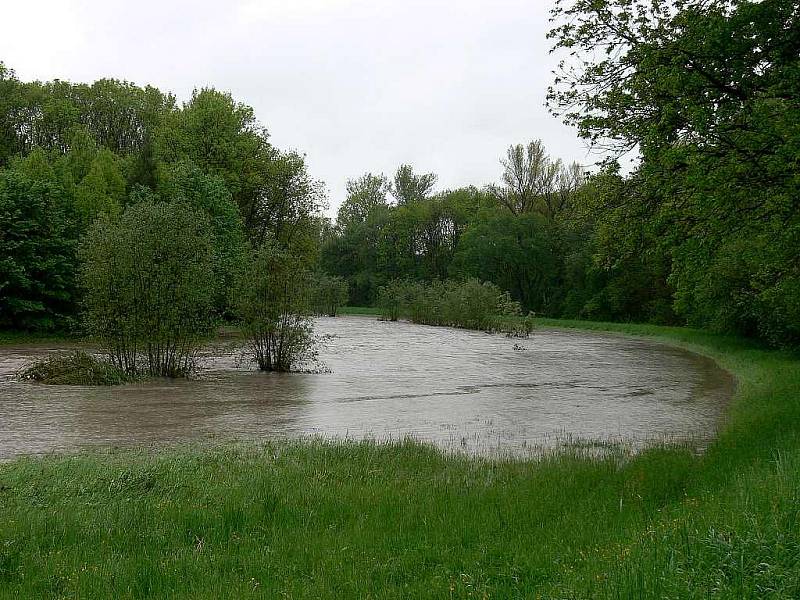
x=462, y=390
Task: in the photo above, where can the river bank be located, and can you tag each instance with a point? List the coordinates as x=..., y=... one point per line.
x=323, y=519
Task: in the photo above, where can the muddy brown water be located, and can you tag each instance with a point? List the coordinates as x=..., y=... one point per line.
x=461, y=390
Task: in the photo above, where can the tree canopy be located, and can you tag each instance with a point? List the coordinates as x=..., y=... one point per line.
x=71, y=154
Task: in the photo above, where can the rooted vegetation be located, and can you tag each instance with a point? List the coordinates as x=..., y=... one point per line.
x=104, y=167
x=148, y=280
x=74, y=368
x=329, y=294
x=145, y=223
x=703, y=231
x=274, y=305
x=127, y=217
x=469, y=304
x=403, y=520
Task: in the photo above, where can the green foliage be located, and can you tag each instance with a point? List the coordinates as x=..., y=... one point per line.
x=102, y=190
x=78, y=152
x=149, y=285
x=74, y=368
x=276, y=196
x=353, y=253
x=364, y=196
x=408, y=187
x=413, y=240
x=516, y=252
x=329, y=294
x=222, y=137
x=709, y=93
x=288, y=206
x=272, y=297
x=395, y=297
x=117, y=115
x=534, y=181
x=37, y=257
x=470, y=304
x=186, y=182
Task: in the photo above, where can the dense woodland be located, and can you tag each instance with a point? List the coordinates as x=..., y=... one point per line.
x=71, y=154
x=704, y=229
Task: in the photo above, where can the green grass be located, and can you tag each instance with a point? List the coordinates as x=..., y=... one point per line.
x=359, y=520
x=360, y=310
x=31, y=337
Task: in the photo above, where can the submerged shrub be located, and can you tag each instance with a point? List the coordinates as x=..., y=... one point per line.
x=394, y=298
x=470, y=304
x=148, y=281
x=329, y=294
x=272, y=300
x=74, y=368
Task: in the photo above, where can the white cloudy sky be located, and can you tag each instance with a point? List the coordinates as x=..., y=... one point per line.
x=357, y=85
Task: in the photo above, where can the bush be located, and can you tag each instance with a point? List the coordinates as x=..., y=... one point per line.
x=74, y=368
x=329, y=295
x=470, y=304
x=272, y=300
x=395, y=298
x=148, y=280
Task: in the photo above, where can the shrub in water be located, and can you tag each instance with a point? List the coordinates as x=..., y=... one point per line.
x=329, y=294
x=395, y=298
x=272, y=299
x=471, y=304
x=148, y=281
x=73, y=368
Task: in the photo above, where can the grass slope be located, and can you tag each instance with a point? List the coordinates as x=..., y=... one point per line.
x=359, y=520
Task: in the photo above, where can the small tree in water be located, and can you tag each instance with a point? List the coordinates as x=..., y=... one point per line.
x=272, y=297
x=148, y=281
x=395, y=297
x=330, y=294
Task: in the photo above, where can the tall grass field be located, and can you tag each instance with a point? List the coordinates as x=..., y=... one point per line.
x=321, y=519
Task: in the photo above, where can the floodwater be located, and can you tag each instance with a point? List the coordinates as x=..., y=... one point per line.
x=461, y=390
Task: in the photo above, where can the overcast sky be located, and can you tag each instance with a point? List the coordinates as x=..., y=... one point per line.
x=356, y=85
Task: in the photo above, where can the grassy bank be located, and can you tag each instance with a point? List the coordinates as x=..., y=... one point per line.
x=322, y=520
x=8, y=338
x=359, y=310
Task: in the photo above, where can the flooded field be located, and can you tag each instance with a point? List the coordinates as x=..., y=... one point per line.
x=462, y=390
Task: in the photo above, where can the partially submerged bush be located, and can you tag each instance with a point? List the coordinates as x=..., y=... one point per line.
x=470, y=304
x=516, y=327
x=74, y=368
x=329, y=294
x=272, y=301
x=148, y=280
x=395, y=298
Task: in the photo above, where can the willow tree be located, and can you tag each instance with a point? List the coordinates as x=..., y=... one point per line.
x=148, y=281
x=273, y=301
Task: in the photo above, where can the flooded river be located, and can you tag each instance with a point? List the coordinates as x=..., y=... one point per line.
x=462, y=390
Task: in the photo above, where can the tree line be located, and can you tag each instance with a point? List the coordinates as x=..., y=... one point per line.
x=141, y=222
x=705, y=228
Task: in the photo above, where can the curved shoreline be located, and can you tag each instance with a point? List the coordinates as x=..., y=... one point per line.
x=460, y=390
x=409, y=521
